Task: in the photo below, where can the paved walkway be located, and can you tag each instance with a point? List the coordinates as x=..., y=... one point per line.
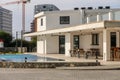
x=55, y=74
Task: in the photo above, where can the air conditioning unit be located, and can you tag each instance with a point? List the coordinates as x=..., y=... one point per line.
x=100, y=7
x=90, y=8
x=76, y=8
x=107, y=7
x=83, y=8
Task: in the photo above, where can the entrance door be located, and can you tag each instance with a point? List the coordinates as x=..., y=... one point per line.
x=62, y=44
x=113, y=45
x=113, y=39
x=76, y=41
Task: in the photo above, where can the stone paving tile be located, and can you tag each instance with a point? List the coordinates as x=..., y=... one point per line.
x=53, y=74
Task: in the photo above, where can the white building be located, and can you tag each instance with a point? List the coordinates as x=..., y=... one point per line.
x=60, y=31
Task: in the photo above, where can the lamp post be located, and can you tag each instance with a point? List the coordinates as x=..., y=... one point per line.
x=21, y=41
x=16, y=41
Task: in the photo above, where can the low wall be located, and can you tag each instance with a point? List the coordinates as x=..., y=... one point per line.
x=46, y=64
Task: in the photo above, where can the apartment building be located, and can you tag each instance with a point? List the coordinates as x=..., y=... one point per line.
x=6, y=20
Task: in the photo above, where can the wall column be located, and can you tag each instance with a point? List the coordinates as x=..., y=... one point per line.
x=110, y=15
x=88, y=19
x=41, y=44
x=99, y=17
x=83, y=16
x=117, y=39
x=68, y=42
x=106, y=45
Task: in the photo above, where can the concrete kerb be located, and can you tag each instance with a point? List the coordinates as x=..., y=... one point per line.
x=109, y=65
x=90, y=68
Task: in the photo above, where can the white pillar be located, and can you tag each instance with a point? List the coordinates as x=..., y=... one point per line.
x=68, y=43
x=44, y=45
x=117, y=39
x=41, y=44
x=99, y=17
x=111, y=16
x=83, y=16
x=88, y=19
x=106, y=45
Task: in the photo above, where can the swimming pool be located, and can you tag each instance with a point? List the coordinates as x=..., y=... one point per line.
x=25, y=58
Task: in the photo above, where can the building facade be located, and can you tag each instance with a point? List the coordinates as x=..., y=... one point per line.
x=40, y=8
x=6, y=20
x=61, y=31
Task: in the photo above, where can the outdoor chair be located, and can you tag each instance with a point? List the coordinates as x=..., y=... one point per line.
x=95, y=51
x=117, y=53
x=81, y=52
x=73, y=53
x=88, y=53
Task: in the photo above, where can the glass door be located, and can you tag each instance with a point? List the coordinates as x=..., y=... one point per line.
x=113, y=39
x=61, y=44
x=76, y=41
x=113, y=45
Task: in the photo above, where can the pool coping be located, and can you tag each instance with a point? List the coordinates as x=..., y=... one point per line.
x=46, y=64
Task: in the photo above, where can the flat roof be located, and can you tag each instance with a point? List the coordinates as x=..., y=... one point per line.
x=87, y=11
x=97, y=25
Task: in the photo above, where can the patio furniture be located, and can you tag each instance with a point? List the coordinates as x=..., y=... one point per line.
x=73, y=53
x=88, y=53
x=115, y=53
x=112, y=54
x=118, y=54
x=95, y=52
x=77, y=52
x=81, y=51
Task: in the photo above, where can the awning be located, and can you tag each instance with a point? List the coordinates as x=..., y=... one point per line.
x=97, y=25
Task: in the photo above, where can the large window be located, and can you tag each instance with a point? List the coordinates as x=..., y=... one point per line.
x=64, y=19
x=95, y=39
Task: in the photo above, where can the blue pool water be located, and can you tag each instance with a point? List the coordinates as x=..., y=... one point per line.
x=25, y=57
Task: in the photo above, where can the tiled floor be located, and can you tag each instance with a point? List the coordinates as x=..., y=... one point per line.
x=81, y=59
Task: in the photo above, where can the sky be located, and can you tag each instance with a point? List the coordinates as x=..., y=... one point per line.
x=61, y=4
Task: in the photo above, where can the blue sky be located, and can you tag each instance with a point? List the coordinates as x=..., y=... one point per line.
x=61, y=4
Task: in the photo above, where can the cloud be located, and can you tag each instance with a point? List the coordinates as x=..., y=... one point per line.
x=62, y=4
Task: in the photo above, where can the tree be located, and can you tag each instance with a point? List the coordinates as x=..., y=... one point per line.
x=6, y=37
x=29, y=44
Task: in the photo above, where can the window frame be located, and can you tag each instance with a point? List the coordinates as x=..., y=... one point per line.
x=76, y=44
x=95, y=39
x=64, y=21
x=41, y=21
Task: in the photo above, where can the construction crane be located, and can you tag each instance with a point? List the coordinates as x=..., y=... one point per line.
x=23, y=10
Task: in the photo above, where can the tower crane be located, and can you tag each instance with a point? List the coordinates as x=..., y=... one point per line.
x=23, y=2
